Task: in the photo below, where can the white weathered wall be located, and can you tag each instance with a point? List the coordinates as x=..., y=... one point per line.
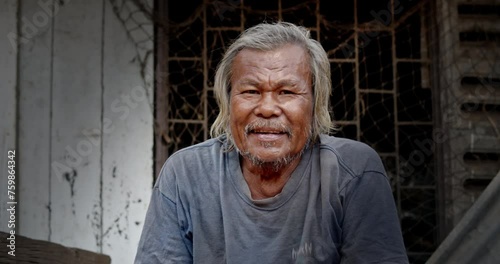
x=75, y=199
x=127, y=137
x=35, y=57
x=8, y=71
x=85, y=125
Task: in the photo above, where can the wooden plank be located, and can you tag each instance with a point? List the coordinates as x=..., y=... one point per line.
x=485, y=65
x=478, y=23
x=479, y=2
x=448, y=37
x=34, y=118
x=127, y=134
x=43, y=252
x=8, y=68
x=76, y=109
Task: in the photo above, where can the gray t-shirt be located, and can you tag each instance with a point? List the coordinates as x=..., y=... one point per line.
x=337, y=207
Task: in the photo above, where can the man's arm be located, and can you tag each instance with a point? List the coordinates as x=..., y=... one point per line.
x=371, y=231
x=162, y=239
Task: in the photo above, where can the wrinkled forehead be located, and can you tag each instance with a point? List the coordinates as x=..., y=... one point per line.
x=289, y=62
x=290, y=51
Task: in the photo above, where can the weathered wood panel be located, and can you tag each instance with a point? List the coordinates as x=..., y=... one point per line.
x=466, y=132
x=8, y=68
x=85, y=131
x=127, y=135
x=43, y=252
x=34, y=117
x=76, y=200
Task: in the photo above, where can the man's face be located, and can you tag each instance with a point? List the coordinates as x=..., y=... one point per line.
x=271, y=105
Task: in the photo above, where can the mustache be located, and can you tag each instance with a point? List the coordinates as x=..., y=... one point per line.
x=268, y=125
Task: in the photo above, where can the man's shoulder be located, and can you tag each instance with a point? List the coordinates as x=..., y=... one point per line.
x=190, y=163
x=194, y=156
x=346, y=147
x=354, y=155
x=202, y=148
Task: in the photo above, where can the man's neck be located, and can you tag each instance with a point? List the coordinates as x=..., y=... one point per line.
x=267, y=181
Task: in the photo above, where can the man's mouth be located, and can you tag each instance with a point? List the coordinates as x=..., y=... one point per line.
x=267, y=130
x=266, y=135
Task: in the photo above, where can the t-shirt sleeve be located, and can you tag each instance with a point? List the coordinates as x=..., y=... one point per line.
x=371, y=231
x=162, y=239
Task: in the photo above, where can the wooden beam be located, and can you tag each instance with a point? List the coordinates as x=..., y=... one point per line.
x=161, y=88
x=38, y=251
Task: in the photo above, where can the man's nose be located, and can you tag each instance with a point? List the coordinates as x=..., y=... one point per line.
x=268, y=105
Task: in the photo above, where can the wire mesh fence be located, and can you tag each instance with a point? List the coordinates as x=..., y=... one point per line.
x=413, y=79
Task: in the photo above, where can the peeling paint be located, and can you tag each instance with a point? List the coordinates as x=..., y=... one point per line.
x=49, y=208
x=116, y=227
x=70, y=178
x=95, y=222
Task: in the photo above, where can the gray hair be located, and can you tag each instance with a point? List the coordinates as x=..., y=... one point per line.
x=267, y=37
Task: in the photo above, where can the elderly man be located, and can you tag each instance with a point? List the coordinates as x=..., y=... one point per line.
x=271, y=186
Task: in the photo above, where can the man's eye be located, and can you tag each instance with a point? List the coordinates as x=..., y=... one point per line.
x=286, y=92
x=250, y=92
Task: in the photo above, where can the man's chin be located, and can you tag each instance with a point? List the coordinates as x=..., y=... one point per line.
x=267, y=162
x=259, y=159
x=264, y=155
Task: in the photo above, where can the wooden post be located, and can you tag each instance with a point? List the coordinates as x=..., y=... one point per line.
x=161, y=89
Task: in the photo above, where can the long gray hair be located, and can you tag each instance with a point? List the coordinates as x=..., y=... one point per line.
x=267, y=37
